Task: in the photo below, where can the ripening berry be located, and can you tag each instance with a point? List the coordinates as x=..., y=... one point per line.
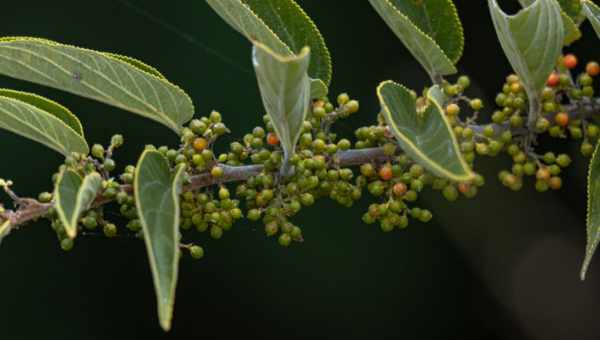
x=592, y=68
x=555, y=183
x=200, y=144
x=352, y=106
x=553, y=80
x=570, y=61
x=562, y=119
x=343, y=98
x=452, y=109
x=272, y=138
x=399, y=189
x=464, y=187
x=385, y=173
x=543, y=174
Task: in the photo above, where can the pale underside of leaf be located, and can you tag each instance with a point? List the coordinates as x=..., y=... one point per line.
x=73, y=196
x=532, y=41
x=593, y=210
x=157, y=190
x=426, y=137
x=427, y=52
x=98, y=76
x=31, y=122
x=572, y=31
x=240, y=16
x=592, y=12
x=285, y=91
x=47, y=105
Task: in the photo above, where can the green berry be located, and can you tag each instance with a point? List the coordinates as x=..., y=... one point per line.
x=45, y=197
x=196, y=252
x=66, y=244
x=563, y=160
x=110, y=230
x=98, y=151
x=284, y=240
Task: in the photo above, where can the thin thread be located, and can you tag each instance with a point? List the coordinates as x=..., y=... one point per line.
x=183, y=35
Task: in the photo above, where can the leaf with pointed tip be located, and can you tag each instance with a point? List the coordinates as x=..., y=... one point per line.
x=592, y=12
x=114, y=80
x=593, y=211
x=425, y=136
x=285, y=91
x=532, y=41
x=73, y=196
x=156, y=190
x=284, y=27
x=24, y=114
x=4, y=229
x=430, y=29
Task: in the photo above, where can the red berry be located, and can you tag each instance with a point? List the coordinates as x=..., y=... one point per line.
x=386, y=173
x=562, y=119
x=570, y=61
x=272, y=139
x=592, y=68
x=553, y=80
x=464, y=187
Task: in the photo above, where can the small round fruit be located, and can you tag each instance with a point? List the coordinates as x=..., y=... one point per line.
x=272, y=139
x=592, y=68
x=399, y=189
x=284, y=240
x=385, y=173
x=553, y=80
x=452, y=109
x=555, y=183
x=217, y=171
x=570, y=61
x=543, y=174
x=562, y=119
x=200, y=144
x=196, y=252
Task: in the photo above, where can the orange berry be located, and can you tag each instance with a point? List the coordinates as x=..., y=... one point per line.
x=562, y=119
x=200, y=144
x=553, y=80
x=555, y=183
x=272, y=139
x=592, y=68
x=399, y=189
x=464, y=187
x=570, y=61
x=543, y=174
x=386, y=173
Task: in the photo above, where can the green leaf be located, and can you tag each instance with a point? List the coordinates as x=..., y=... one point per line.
x=532, y=41
x=281, y=25
x=423, y=133
x=115, y=80
x=573, y=8
x=593, y=211
x=572, y=31
x=4, y=229
x=19, y=116
x=156, y=190
x=430, y=29
x=318, y=89
x=47, y=105
x=285, y=90
x=592, y=12
x=74, y=195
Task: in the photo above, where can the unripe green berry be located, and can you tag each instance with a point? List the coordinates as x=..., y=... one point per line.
x=284, y=240
x=110, y=230
x=98, y=151
x=45, y=197
x=116, y=141
x=196, y=252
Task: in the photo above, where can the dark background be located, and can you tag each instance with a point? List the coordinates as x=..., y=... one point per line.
x=501, y=266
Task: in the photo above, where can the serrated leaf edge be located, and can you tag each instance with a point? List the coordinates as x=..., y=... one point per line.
x=592, y=243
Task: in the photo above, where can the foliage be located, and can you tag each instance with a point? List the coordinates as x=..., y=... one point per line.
x=418, y=141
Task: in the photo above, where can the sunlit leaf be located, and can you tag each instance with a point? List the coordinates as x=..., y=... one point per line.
x=115, y=80
x=285, y=90
x=74, y=195
x=430, y=29
x=53, y=129
x=284, y=27
x=593, y=211
x=571, y=27
x=532, y=41
x=425, y=135
x=157, y=190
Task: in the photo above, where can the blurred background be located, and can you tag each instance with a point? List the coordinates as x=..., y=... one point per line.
x=503, y=265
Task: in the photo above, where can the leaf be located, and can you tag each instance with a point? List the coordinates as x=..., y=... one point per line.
x=156, y=190
x=281, y=25
x=318, y=89
x=592, y=12
x=285, y=91
x=593, y=211
x=73, y=196
x=532, y=41
x=572, y=32
x=47, y=105
x=425, y=136
x=115, y=80
x=32, y=122
x=430, y=29
x=4, y=229
x=573, y=8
